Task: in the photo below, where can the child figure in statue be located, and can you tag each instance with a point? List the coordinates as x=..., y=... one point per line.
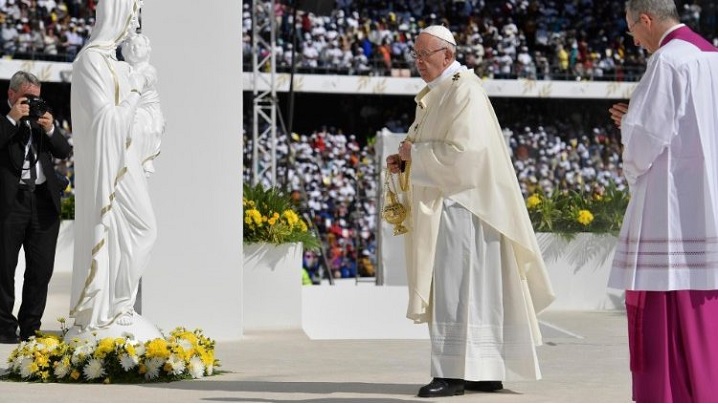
x=149, y=124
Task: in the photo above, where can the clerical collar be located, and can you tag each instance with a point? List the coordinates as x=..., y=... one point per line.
x=671, y=29
x=449, y=71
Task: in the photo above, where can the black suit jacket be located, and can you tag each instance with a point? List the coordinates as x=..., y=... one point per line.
x=12, y=154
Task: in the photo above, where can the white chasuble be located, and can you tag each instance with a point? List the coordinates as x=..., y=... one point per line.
x=459, y=153
x=459, y=156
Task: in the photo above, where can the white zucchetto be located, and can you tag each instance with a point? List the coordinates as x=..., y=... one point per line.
x=440, y=32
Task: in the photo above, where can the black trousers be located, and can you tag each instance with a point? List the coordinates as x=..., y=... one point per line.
x=34, y=224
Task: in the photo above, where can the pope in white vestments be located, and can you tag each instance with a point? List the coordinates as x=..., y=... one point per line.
x=115, y=227
x=474, y=267
x=667, y=253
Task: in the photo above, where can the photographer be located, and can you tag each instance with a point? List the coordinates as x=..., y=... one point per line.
x=29, y=203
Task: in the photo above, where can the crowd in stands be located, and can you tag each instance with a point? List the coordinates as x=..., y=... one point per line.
x=335, y=181
x=53, y=30
x=554, y=39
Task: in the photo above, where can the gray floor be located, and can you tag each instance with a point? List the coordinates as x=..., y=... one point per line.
x=591, y=366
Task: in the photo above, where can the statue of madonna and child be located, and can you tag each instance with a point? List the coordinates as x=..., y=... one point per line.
x=117, y=125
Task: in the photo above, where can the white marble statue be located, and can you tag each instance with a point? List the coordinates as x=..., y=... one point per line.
x=115, y=226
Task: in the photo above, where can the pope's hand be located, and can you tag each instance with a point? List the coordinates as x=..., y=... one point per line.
x=405, y=150
x=393, y=163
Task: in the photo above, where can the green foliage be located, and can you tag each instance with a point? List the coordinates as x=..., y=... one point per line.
x=67, y=207
x=571, y=212
x=270, y=217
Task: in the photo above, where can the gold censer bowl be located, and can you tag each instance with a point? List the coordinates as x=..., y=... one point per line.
x=395, y=214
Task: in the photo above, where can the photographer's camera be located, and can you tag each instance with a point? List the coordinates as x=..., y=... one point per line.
x=38, y=107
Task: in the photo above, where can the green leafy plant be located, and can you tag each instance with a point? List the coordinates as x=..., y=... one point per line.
x=270, y=217
x=571, y=212
x=67, y=207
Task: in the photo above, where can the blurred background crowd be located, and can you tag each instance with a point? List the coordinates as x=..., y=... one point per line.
x=551, y=39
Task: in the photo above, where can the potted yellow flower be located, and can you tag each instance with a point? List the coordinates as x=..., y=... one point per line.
x=274, y=238
x=577, y=233
x=270, y=217
x=569, y=212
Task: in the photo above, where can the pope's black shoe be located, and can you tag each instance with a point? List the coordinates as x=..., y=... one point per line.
x=484, y=385
x=440, y=387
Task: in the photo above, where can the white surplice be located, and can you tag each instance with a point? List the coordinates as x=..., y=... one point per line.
x=115, y=226
x=669, y=237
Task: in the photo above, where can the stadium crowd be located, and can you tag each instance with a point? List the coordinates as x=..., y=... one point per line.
x=53, y=30
x=555, y=39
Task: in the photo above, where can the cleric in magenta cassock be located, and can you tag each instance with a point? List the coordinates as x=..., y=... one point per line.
x=667, y=252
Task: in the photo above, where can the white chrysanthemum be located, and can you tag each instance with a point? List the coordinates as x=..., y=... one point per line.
x=76, y=358
x=128, y=362
x=153, y=368
x=16, y=362
x=177, y=364
x=93, y=369
x=139, y=349
x=196, y=367
x=83, y=351
x=61, y=370
x=27, y=367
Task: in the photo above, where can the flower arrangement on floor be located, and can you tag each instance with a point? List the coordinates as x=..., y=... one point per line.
x=48, y=358
x=571, y=212
x=270, y=217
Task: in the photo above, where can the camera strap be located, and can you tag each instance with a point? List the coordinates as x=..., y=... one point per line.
x=30, y=158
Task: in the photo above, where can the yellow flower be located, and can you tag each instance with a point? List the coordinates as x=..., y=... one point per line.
x=302, y=225
x=189, y=336
x=291, y=217
x=584, y=217
x=75, y=374
x=533, y=201
x=207, y=357
x=104, y=347
x=272, y=221
x=142, y=369
x=157, y=348
x=254, y=216
x=41, y=360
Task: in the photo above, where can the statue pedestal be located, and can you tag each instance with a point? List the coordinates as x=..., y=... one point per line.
x=141, y=329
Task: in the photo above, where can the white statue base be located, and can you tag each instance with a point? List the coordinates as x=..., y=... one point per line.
x=141, y=329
